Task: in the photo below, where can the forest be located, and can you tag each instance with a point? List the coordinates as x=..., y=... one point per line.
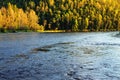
x=68, y=15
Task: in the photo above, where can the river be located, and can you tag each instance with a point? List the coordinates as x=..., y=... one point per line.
x=60, y=56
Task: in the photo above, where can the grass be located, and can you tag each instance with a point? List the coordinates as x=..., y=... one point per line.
x=51, y=31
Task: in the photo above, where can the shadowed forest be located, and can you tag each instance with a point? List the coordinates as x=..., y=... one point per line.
x=68, y=15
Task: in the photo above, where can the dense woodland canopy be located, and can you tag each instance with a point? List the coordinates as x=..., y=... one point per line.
x=69, y=15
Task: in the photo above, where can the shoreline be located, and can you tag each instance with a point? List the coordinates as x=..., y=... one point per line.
x=58, y=31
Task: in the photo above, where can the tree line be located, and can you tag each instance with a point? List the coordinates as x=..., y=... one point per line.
x=69, y=15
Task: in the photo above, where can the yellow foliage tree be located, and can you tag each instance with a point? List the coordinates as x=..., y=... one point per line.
x=33, y=20
x=10, y=17
x=13, y=18
x=1, y=21
x=51, y=2
x=22, y=19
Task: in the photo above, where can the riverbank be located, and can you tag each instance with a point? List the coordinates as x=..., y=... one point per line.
x=15, y=31
x=53, y=31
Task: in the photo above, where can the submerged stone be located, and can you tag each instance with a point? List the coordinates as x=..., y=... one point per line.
x=41, y=49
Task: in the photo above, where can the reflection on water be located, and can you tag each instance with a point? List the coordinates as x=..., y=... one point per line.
x=59, y=56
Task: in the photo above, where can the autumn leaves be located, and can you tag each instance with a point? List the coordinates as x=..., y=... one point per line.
x=68, y=15
x=15, y=19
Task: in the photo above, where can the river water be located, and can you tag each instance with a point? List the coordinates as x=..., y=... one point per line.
x=60, y=56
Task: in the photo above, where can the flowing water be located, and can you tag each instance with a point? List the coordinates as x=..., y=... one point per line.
x=60, y=56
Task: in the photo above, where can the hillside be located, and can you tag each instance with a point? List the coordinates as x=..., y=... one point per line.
x=69, y=15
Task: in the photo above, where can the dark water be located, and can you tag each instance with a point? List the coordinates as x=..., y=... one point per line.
x=60, y=56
